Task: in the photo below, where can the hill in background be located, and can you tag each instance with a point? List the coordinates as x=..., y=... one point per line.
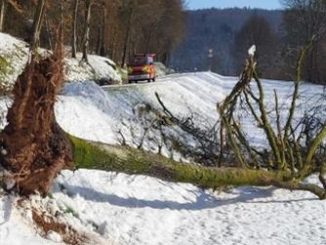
x=215, y=29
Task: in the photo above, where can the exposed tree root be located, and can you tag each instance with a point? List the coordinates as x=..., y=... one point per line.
x=33, y=146
x=47, y=223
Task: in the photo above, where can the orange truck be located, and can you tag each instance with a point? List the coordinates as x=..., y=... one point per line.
x=141, y=68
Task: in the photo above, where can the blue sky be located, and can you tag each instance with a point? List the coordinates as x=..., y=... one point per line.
x=266, y=4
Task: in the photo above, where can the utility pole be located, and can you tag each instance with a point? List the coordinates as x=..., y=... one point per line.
x=210, y=59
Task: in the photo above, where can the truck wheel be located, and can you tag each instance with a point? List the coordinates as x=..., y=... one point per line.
x=148, y=80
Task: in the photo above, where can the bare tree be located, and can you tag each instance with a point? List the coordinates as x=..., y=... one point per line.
x=128, y=11
x=256, y=30
x=102, y=29
x=88, y=9
x=3, y=8
x=37, y=23
x=301, y=20
x=2, y=13
x=74, y=30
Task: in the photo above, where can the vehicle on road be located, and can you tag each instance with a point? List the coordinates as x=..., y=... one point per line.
x=141, y=68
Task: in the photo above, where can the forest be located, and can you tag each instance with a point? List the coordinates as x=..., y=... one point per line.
x=278, y=35
x=116, y=28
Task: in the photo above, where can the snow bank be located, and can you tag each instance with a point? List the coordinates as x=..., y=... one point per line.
x=144, y=210
x=161, y=69
x=123, y=209
x=111, y=208
x=14, y=56
x=98, y=68
x=15, y=227
x=196, y=94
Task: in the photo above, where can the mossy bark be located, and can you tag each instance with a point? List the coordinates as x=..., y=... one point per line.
x=132, y=161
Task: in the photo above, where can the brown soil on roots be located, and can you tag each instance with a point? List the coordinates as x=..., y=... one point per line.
x=47, y=223
x=33, y=146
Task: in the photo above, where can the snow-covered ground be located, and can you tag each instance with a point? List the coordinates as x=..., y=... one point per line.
x=126, y=209
x=14, y=53
x=116, y=208
x=112, y=208
x=116, y=108
x=145, y=210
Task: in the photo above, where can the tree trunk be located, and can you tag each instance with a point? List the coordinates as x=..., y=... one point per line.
x=132, y=161
x=86, y=29
x=48, y=30
x=74, y=31
x=98, y=41
x=3, y=8
x=103, y=43
x=37, y=23
x=125, y=48
x=33, y=146
x=126, y=41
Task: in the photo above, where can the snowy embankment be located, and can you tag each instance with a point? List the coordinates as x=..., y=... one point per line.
x=121, y=209
x=116, y=110
x=144, y=210
x=111, y=208
x=14, y=56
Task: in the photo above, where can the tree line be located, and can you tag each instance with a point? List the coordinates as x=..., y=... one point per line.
x=303, y=22
x=278, y=34
x=115, y=28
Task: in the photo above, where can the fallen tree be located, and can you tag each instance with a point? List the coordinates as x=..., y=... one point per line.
x=92, y=155
x=284, y=163
x=288, y=148
x=33, y=146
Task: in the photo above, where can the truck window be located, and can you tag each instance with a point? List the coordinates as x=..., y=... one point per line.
x=137, y=61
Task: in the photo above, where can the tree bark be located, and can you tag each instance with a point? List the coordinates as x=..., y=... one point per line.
x=86, y=29
x=3, y=9
x=74, y=31
x=33, y=146
x=37, y=23
x=131, y=161
x=103, y=40
x=126, y=40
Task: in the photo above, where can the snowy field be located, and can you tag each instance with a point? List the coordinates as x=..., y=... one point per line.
x=111, y=208
x=115, y=108
x=144, y=210
x=120, y=209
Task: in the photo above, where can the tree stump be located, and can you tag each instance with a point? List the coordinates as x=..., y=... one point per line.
x=34, y=149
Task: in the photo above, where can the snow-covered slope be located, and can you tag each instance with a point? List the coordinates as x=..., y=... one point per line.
x=14, y=55
x=161, y=70
x=111, y=208
x=144, y=210
x=122, y=209
x=115, y=108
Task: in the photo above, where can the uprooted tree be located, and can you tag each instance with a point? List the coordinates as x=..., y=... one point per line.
x=294, y=150
x=33, y=146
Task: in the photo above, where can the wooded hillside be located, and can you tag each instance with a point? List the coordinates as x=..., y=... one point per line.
x=116, y=28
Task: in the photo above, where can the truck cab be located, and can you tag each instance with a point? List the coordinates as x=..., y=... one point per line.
x=141, y=68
